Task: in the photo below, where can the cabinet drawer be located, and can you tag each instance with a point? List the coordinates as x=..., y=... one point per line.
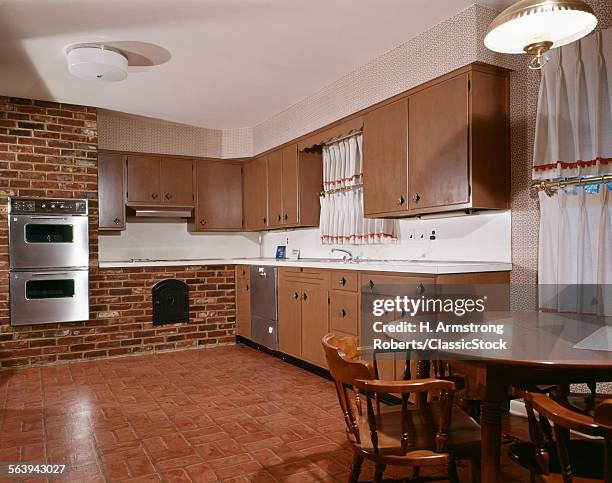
x=299, y=275
x=410, y=285
x=243, y=272
x=344, y=280
x=343, y=312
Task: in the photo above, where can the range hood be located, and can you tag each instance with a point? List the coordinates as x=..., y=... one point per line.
x=160, y=211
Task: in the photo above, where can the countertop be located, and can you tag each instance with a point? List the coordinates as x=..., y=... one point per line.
x=405, y=266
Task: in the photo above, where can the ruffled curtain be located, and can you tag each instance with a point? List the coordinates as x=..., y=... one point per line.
x=342, y=219
x=575, y=250
x=574, y=122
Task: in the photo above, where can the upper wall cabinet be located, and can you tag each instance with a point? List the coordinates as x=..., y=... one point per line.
x=443, y=147
x=111, y=191
x=155, y=180
x=218, y=196
x=256, y=194
x=293, y=179
x=385, y=155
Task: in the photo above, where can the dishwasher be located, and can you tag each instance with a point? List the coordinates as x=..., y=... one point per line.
x=264, y=315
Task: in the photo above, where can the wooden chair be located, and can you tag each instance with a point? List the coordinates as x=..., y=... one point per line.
x=552, y=456
x=430, y=433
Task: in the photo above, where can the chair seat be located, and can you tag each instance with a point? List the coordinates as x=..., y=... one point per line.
x=422, y=425
x=586, y=457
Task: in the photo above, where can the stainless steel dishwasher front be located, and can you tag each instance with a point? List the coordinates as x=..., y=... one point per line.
x=264, y=314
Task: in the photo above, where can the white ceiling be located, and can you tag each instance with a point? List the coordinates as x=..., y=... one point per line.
x=233, y=63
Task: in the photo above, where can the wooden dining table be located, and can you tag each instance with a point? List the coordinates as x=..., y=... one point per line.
x=542, y=350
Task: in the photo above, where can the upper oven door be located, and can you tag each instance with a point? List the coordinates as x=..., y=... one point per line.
x=42, y=241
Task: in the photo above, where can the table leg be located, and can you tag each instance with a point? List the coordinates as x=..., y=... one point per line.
x=491, y=434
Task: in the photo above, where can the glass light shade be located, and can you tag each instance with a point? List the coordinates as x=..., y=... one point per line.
x=531, y=23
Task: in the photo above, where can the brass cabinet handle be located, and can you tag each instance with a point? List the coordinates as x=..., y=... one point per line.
x=342, y=281
x=304, y=296
x=154, y=196
x=203, y=222
x=401, y=200
x=168, y=196
x=416, y=198
x=116, y=221
x=296, y=295
x=342, y=313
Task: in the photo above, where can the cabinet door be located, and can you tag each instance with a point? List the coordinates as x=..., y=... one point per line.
x=315, y=323
x=438, y=147
x=385, y=159
x=290, y=185
x=256, y=194
x=111, y=191
x=243, y=307
x=275, y=208
x=290, y=320
x=143, y=179
x=177, y=181
x=218, y=196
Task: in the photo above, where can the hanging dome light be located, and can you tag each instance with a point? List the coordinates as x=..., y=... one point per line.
x=536, y=26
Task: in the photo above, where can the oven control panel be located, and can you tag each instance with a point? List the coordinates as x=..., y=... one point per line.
x=47, y=206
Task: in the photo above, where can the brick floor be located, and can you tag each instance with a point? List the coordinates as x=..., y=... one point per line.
x=223, y=414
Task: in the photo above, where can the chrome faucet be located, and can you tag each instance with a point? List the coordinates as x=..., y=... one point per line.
x=348, y=255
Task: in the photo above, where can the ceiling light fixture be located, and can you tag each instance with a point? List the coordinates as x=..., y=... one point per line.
x=97, y=62
x=536, y=26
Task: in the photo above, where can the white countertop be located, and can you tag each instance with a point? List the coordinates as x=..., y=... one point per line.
x=405, y=266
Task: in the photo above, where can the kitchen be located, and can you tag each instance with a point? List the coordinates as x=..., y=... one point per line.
x=142, y=222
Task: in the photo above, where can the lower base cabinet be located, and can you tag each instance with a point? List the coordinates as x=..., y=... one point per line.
x=315, y=323
x=243, y=302
x=290, y=320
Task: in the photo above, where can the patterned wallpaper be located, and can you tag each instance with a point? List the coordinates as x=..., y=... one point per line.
x=125, y=132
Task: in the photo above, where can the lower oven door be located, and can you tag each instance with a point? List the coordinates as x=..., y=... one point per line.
x=49, y=296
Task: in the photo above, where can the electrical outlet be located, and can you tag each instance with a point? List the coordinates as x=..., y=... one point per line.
x=433, y=234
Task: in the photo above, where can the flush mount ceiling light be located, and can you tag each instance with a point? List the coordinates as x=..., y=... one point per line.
x=97, y=62
x=536, y=26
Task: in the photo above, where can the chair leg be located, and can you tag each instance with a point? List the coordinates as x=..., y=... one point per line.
x=452, y=472
x=380, y=469
x=475, y=471
x=356, y=467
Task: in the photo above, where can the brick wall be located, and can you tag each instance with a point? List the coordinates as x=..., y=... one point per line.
x=49, y=149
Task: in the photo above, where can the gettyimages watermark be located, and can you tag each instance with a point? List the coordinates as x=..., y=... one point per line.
x=453, y=321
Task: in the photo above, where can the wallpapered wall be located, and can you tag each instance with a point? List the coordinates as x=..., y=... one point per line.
x=451, y=44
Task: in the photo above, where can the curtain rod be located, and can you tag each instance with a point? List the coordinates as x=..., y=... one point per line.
x=549, y=186
x=344, y=136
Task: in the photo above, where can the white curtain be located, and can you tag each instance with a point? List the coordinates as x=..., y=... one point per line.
x=342, y=220
x=574, y=122
x=575, y=250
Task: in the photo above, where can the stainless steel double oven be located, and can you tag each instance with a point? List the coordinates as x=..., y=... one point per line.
x=48, y=260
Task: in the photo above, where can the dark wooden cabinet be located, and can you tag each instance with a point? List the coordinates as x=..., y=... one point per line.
x=303, y=313
x=176, y=181
x=290, y=185
x=143, y=179
x=256, y=194
x=243, y=301
x=111, y=191
x=154, y=180
x=275, y=188
x=442, y=147
x=385, y=159
x=218, y=196
x=438, y=148
x=290, y=319
x=294, y=180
